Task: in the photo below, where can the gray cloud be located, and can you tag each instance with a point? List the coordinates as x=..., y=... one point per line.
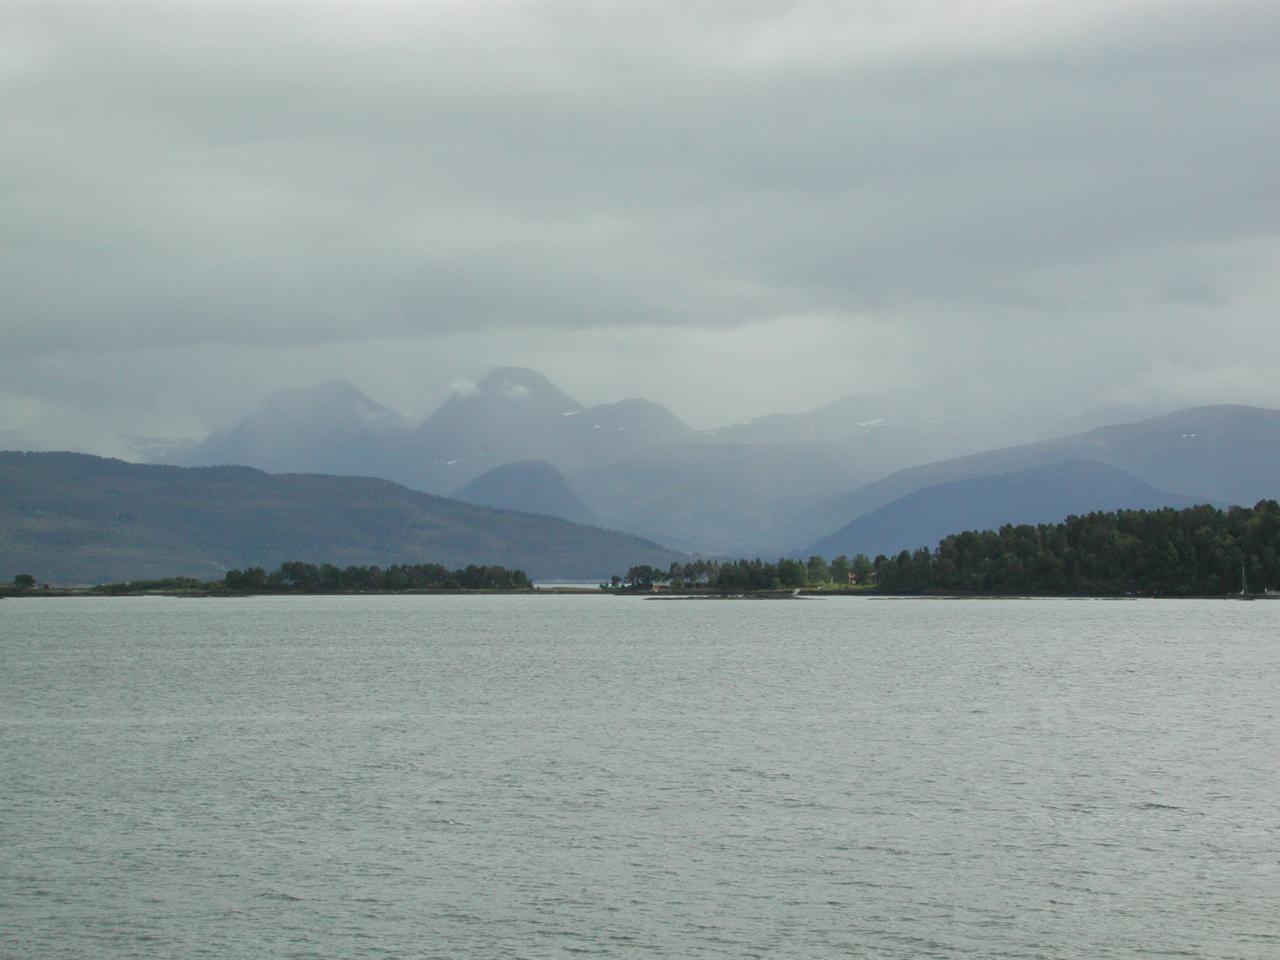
x=982, y=186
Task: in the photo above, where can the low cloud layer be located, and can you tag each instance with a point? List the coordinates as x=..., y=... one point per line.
x=731, y=209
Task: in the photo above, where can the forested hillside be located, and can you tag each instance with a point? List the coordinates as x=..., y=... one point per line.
x=1201, y=551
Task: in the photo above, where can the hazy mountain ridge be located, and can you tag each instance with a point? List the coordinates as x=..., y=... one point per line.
x=515, y=414
x=858, y=416
x=151, y=449
x=530, y=486
x=635, y=464
x=763, y=486
x=329, y=428
x=1042, y=494
x=68, y=517
x=1225, y=454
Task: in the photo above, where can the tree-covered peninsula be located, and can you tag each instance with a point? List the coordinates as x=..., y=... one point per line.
x=1200, y=551
x=1197, y=552
x=296, y=577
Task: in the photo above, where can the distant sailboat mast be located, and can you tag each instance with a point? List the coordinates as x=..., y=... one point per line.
x=1244, y=584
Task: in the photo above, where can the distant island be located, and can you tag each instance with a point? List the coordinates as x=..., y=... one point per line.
x=1200, y=551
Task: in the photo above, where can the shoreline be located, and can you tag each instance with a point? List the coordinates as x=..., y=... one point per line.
x=63, y=593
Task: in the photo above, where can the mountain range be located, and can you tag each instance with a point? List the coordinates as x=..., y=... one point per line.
x=1223, y=454
x=773, y=484
x=75, y=518
x=861, y=474
x=1042, y=494
x=630, y=465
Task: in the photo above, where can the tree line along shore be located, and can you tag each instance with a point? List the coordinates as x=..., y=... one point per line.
x=1196, y=552
x=296, y=577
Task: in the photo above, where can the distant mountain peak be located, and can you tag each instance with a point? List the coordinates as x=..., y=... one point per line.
x=335, y=389
x=338, y=386
x=158, y=449
x=528, y=486
x=516, y=383
x=330, y=398
x=329, y=428
x=639, y=415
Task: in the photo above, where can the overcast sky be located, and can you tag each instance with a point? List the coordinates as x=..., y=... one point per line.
x=733, y=209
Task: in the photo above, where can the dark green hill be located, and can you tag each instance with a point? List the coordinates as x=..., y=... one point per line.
x=74, y=518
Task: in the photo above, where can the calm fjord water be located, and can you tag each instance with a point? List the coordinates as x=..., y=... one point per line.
x=539, y=776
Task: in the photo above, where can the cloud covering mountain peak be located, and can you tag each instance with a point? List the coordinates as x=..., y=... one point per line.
x=734, y=207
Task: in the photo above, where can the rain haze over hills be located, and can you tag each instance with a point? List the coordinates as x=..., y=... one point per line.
x=424, y=241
